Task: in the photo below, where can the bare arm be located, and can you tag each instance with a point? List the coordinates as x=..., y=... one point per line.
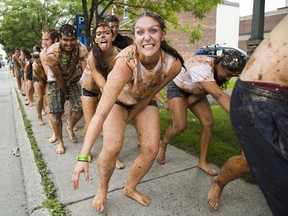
x=218, y=94
x=97, y=76
x=174, y=71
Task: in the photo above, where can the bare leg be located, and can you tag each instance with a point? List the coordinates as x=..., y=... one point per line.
x=234, y=168
x=114, y=128
x=39, y=102
x=203, y=112
x=73, y=119
x=148, y=125
x=178, y=111
x=57, y=128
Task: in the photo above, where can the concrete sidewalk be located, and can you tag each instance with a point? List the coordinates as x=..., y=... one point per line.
x=177, y=188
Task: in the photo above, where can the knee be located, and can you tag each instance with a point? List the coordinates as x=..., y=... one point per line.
x=150, y=152
x=207, y=123
x=179, y=127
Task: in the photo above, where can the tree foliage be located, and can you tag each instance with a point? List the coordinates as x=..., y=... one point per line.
x=23, y=20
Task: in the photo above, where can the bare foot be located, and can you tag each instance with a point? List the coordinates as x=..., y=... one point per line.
x=72, y=135
x=40, y=122
x=207, y=169
x=60, y=149
x=161, y=153
x=119, y=164
x=139, y=197
x=99, y=202
x=30, y=104
x=75, y=128
x=214, y=194
x=52, y=139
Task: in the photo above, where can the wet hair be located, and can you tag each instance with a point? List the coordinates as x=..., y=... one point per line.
x=53, y=34
x=68, y=30
x=164, y=45
x=36, y=51
x=26, y=53
x=232, y=60
x=97, y=52
x=111, y=18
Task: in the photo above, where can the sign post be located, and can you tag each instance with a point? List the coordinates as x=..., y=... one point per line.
x=81, y=28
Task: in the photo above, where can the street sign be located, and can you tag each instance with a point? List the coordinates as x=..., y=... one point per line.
x=80, y=25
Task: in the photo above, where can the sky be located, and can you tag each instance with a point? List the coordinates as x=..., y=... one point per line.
x=246, y=6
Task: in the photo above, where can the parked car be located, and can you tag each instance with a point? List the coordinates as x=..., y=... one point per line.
x=217, y=50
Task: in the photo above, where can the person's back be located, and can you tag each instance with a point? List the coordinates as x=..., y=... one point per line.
x=269, y=61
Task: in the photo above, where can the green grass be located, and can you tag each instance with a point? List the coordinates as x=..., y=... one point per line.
x=54, y=205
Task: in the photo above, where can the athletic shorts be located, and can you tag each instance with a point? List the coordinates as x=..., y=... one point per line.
x=57, y=100
x=174, y=91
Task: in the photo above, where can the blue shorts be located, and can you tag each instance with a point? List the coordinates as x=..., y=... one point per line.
x=260, y=120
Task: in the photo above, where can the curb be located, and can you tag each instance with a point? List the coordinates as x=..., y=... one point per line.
x=32, y=178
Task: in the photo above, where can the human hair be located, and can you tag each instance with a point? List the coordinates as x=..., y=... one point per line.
x=98, y=54
x=232, y=61
x=68, y=30
x=26, y=53
x=164, y=45
x=36, y=51
x=111, y=18
x=53, y=34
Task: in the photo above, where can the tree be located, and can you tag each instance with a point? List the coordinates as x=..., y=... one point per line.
x=23, y=20
x=168, y=9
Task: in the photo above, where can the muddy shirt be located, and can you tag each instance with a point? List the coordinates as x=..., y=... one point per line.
x=87, y=81
x=199, y=69
x=66, y=63
x=38, y=70
x=143, y=80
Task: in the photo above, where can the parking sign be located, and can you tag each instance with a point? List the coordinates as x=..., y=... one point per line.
x=80, y=25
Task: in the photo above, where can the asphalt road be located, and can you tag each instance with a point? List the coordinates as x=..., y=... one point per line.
x=13, y=196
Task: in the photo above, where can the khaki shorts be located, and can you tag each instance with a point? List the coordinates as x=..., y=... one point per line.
x=57, y=99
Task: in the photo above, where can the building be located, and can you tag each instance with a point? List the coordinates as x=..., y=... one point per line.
x=271, y=19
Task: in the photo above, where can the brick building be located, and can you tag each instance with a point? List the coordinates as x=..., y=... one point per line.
x=272, y=18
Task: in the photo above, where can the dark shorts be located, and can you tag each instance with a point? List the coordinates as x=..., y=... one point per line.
x=30, y=76
x=174, y=91
x=22, y=74
x=57, y=100
x=87, y=93
x=128, y=108
x=260, y=120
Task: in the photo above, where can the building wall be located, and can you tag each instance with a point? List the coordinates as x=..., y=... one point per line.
x=271, y=20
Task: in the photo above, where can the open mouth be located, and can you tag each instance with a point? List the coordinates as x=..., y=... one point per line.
x=103, y=44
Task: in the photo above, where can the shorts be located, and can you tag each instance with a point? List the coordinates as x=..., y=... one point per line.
x=260, y=120
x=30, y=76
x=17, y=72
x=87, y=93
x=174, y=91
x=57, y=100
x=22, y=74
x=128, y=108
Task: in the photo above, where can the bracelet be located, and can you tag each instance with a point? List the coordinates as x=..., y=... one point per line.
x=83, y=158
x=163, y=101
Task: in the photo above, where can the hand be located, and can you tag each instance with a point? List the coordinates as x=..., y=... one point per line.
x=80, y=167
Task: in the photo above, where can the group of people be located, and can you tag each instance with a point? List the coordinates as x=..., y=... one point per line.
x=119, y=81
